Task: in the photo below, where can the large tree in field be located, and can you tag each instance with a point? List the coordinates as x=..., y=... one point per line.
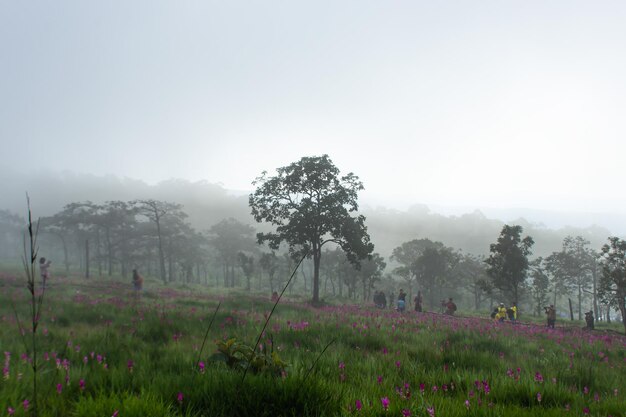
x=613, y=279
x=310, y=204
x=508, y=261
x=155, y=211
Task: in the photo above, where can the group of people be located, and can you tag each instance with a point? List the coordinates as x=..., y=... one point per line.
x=380, y=301
x=501, y=313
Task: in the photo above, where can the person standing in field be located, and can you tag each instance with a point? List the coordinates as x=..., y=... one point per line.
x=551, y=315
x=513, y=313
x=401, y=300
x=450, y=307
x=137, y=283
x=589, y=319
x=44, y=270
x=418, y=302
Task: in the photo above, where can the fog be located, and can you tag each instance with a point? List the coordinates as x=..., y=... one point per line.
x=208, y=203
x=512, y=108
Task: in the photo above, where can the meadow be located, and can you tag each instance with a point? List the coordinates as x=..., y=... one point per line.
x=102, y=352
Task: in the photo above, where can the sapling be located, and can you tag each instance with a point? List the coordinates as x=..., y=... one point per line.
x=29, y=260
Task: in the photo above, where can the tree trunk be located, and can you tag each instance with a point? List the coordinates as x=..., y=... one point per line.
x=317, y=255
x=580, y=302
x=170, y=263
x=571, y=311
x=109, y=253
x=161, y=254
x=98, y=254
x=65, y=257
x=595, y=292
x=86, y=258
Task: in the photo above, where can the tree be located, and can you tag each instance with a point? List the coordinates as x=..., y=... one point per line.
x=247, y=266
x=558, y=266
x=471, y=271
x=540, y=285
x=10, y=234
x=613, y=278
x=406, y=254
x=508, y=261
x=229, y=237
x=433, y=269
x=581, y=262
x=371, y=271
x=425, y=262
x=310, y=204
x=156, y=210
x=269, y=263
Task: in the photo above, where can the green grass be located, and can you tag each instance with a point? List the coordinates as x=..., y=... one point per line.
x=135, y=358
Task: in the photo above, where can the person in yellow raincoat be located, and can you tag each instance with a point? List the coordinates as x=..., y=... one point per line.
x=501, y=314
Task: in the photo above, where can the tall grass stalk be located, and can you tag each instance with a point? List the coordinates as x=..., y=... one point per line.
x=29, y=260
x=269, y=316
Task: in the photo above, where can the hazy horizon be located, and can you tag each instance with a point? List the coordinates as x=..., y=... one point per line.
x=498, y=106
x=34, y=180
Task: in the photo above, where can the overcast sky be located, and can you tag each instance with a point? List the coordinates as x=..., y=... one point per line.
x=469, y=103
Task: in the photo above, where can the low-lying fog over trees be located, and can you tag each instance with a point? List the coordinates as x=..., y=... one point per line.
x=178, y=231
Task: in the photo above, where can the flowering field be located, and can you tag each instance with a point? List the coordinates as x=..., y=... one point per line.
x=101, y=352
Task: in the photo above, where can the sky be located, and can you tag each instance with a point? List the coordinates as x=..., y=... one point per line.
x=501, y=104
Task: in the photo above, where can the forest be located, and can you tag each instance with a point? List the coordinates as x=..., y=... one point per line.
x=201, y=233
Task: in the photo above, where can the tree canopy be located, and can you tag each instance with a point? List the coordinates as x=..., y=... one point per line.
x=613, y=279
x=508, y=261
x=311, y=204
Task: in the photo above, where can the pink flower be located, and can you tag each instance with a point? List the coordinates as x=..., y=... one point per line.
x=25, y=404
x=11, y=411
x=342, y=365
x=180, y=398
x=586, y=410
x=385, y=402
x=115, y=413
x=431, y=411
x=406, y=412
x=201, y=366
x=358, y=405
x=81, y=384
x=539, y=397
x=467, y=404
x=379, y=379
x=130, y=364
x=59, y=388
x=398, y=364
x=538, y=377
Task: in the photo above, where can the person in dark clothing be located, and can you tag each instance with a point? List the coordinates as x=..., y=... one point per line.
x=418, y=302
x=401, y=301
x=589, y=319
x=450, y=307
x=551, y=315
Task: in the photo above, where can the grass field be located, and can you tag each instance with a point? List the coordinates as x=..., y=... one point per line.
x=103, y=353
